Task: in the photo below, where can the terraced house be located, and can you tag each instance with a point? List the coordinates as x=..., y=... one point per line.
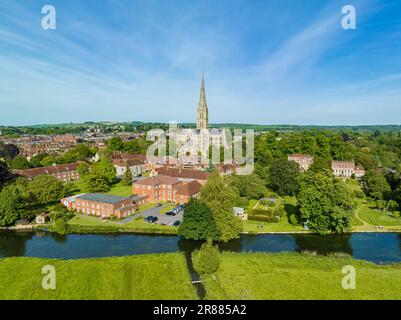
x=64, y=172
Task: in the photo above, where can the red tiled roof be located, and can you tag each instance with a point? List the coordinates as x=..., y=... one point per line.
x=189, y=189
x=157, y=180
x=30, y=173
x=183, y=173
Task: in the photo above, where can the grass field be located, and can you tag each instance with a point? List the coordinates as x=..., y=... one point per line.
x=377, y=217
x=282, y=226
x=299, y=276
x=81, y=223
x=141, y=277
x=117, y=189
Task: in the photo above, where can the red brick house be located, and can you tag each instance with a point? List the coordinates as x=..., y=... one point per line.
x=304, y=160
x=64, y=172
x=182, y=174
x=104, y=205
x=165, y=188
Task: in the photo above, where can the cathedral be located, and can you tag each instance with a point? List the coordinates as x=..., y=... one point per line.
x=202, y=114
x=193, y=145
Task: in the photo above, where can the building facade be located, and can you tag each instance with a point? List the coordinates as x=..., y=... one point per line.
x=304, y=160
x=345, y=169
x=164, y=188
x=64, y=172
x=104, y=205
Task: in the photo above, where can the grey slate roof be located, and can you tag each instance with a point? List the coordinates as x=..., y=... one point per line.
x=104, y=198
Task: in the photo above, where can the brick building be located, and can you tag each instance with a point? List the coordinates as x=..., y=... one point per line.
x=304, y=160
x=346, y=169
x=104, y=205
x=165, y=188
x=182, y=174
x=64, y=172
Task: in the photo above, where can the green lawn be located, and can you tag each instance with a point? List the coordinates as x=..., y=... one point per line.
x=377, y=217
x=82, y=224
x=117, y=189
x=282, y=226
x=140, y=277
x=299, y=276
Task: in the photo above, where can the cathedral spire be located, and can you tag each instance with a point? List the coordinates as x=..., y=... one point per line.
x=202, y=119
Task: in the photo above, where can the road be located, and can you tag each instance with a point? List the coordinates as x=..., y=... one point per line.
x=155, y=211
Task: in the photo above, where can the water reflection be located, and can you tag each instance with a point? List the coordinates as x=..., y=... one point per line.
x=375, y=247
x=331, y=244
x=13, y=244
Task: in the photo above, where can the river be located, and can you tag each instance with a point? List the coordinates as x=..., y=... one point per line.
x=381, y=248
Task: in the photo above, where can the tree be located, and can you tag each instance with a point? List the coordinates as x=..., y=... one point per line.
x=376, y=185
x=19, y=163
x=46, y=189
x=221, y=198
x=283, y=176
x=48, y=161
x=320, y=164
x=198, y=223
x=127, y=176
x=249, y=186
x=83, y=169
x=4, y=173
x=207, y=259
x=36, y=160
x=101, y=176
x=325, y=203
x=60, y=226
x=115, y=144
x=8, y=151
x=11, y=202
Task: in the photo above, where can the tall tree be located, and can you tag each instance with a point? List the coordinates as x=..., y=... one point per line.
x=46, y=189
x=221, y=198
x=101, y=176
x=283, y=175
x=198, y=222
x=376, y=185
x=127, y=176
x=325, y=203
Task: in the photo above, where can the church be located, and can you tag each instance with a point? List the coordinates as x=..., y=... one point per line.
x=193, y=145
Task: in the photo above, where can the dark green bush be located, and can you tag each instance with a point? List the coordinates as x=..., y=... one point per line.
x=207, y=259
x=60, y=226
x=264, y=218
x=293, y=219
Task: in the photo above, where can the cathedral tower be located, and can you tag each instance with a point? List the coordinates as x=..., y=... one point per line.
x=202, y=114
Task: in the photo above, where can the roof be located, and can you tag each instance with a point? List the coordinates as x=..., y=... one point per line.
x=125, y=162
x=103, y=198
x=189, y=189
x=183, y=173
x=299, y=155
x=336, y=163
x=137, y=197
x=29, y=173
x=157, y=180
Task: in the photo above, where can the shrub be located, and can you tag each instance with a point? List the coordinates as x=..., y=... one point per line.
x=359, y=194
x=293, y=219
x=60, y=226
x=263, y=212
x=263, y=218
x=207, y=259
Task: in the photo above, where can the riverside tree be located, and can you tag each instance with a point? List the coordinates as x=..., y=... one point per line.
x=325, y=203
x=283, y=176
x=198, y=223
x=221, y=198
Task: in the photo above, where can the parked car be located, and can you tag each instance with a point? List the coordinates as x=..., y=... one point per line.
x=176, y=223
x=151, y=219
x=158, y=205
x=171, y=213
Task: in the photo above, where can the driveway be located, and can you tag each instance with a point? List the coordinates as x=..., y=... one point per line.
x=155, y=211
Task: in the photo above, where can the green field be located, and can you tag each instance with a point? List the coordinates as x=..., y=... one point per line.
x=141, y=277
x=82, y=224
x=299, y=276
x=377, y=217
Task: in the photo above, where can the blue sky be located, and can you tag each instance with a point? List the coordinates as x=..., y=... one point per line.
x=265, y=62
